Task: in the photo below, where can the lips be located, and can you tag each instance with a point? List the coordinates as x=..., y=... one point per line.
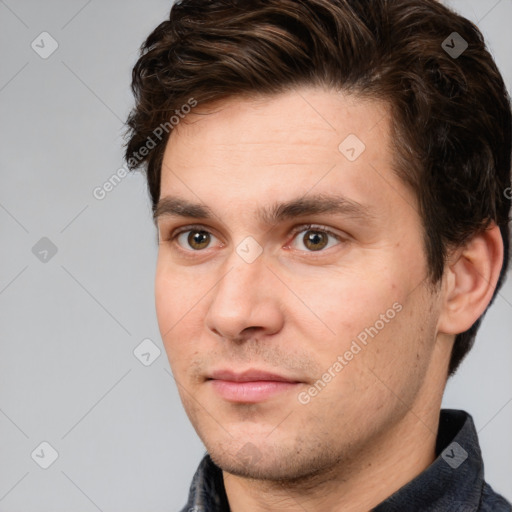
x=250, y=386
x=249, y=376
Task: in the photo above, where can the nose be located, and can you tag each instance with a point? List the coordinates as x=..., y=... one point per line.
x=245, y=301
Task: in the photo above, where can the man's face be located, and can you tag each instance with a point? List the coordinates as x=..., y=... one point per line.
x=340, y=310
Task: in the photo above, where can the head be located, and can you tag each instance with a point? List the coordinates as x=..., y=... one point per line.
x=255, y=120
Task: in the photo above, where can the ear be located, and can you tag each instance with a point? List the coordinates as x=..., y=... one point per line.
x=470, y=278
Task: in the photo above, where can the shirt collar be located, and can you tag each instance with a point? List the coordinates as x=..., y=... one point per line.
x=454, y=481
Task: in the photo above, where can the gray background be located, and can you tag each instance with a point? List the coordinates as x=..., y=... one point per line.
x=70, y=324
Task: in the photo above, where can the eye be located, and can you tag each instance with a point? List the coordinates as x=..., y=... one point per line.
x=196, y=239
x=315, y=238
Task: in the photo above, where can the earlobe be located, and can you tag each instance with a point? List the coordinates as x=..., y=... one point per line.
x=471, y=275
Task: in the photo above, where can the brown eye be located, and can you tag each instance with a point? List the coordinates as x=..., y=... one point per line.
x=194, y=239
x=315, y=240
x=198, y=239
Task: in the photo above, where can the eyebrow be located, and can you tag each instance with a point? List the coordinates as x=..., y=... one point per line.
x=171, y=206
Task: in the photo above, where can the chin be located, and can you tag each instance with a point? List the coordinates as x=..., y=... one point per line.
x=250, y=462
x=260, y=461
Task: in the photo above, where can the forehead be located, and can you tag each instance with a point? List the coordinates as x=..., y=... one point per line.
x=240, y=151
x=303, y=115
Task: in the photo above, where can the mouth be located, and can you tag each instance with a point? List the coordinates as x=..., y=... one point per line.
x=250, y=386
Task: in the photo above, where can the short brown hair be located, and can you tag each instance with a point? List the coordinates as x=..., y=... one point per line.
x=451, y=118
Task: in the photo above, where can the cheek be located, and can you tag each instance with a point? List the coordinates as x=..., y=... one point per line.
x=380, y=326
x=176, y=306
x=176, y=291
x=345, y=304
x=165, y=301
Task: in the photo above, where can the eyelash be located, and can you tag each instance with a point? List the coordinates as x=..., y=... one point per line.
x=299, y=229
x=320, y=229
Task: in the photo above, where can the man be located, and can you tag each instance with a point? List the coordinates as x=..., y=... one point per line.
x=329, y=182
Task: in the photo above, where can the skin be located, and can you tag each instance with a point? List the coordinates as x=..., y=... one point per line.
x=294, y=310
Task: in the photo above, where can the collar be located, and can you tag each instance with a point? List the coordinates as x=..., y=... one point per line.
x=455, y=480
